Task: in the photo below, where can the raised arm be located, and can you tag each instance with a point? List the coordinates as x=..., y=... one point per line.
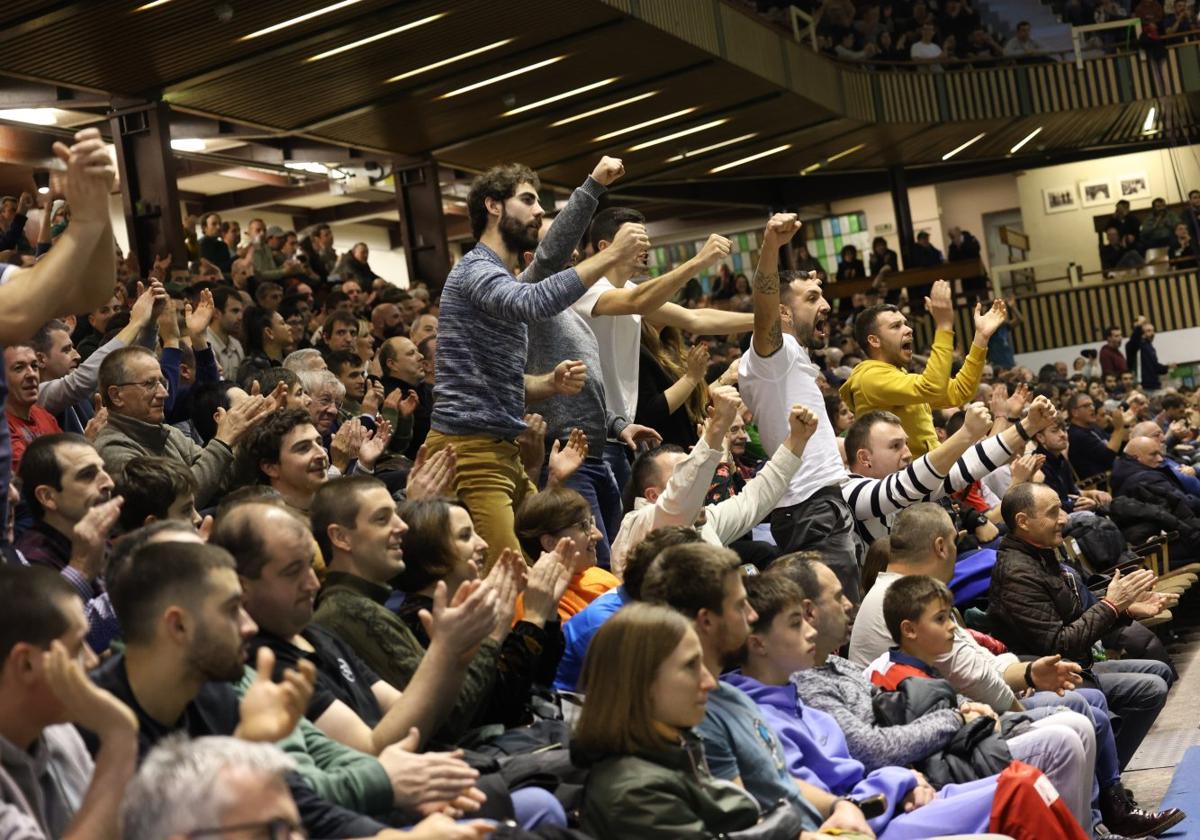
x=500, y=294
x=768, y=333
x=702, y=321
x=963, y=386
x=646, y=298
x=76, y=275
x=571, y=224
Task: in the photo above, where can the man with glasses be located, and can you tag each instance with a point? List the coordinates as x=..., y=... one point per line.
x=1092, y=450
x=134, y=390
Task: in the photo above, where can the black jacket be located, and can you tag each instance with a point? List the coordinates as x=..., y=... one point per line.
x=974, y=753
x=1037, y=609
x=1151, y=484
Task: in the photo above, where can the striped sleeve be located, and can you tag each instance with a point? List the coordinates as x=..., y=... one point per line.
x=874, y=498
x=984, y=457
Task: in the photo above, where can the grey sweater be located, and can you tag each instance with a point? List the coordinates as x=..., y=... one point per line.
x=839, y=688
x=568, y=336
x=124, y=438
x=483, y=340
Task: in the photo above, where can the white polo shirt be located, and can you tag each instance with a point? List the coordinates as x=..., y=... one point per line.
x=770, y=387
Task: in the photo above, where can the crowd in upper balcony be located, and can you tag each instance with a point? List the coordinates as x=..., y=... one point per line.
x=946, y=34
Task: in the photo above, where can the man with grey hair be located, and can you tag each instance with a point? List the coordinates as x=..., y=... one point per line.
x=299, y=361
x=327, y=393
x=216, y=783
x=134, y=390
x=217, y=786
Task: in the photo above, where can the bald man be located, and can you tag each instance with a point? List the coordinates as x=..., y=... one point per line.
x=1142, y=470
x=403, y=367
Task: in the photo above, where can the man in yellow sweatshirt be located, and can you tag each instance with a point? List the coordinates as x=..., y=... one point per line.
x=882, y=381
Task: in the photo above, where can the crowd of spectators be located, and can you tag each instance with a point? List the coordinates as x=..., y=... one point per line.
x=540, y=552
x=950, y=34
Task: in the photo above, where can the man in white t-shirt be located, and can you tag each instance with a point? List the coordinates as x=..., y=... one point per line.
x=778, y=373
x=925, y=49
x=614, y=310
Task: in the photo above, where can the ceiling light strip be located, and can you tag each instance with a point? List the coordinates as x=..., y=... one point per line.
x=696, y=129
x=955, y=151
x=1025, y=140
x=297, y=20
x=713, y=147
x=451, y=60
x=558, y=97
x=153, y=4
x=604, y=108
x=749, y=159
x=1148, y=125
x=362, y=42
x=842, y=154
x=520, y=71
x=644, y=124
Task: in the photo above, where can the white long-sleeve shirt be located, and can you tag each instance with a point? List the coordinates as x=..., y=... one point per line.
x=682, y=500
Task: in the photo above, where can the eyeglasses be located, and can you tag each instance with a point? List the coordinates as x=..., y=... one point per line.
x=149, y=384
x=327, y=401
x=585, y=525
x=277, y=829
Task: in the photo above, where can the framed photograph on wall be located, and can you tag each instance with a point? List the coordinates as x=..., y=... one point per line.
x=1059, y=199
x=1133, y=187
x=1096, y=192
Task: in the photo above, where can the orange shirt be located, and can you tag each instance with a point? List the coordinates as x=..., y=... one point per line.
x=584, y=588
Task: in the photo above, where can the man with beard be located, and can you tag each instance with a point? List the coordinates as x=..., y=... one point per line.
x=69, y=494
x=404, y=370
x=69, y=385
x=387, y=322
x=778, y=373
x=225, y=327
x=351, y=704
x=483, y=339
x=186, y=640
x=882, y=381
x=703, y=584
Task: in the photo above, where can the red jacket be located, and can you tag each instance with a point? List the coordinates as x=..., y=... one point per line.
x=1027, y=807
x=1112, y=361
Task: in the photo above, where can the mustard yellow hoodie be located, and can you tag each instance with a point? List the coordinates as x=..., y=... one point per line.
x=876, y=385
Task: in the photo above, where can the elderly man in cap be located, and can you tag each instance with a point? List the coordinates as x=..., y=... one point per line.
x=266, y=260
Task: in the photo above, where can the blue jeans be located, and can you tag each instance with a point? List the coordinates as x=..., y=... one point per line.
x=616, y=455
x=1136, y=690
x=594, y=481
x=1091, y=704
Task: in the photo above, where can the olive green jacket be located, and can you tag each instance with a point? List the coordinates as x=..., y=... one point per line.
x=355, y=610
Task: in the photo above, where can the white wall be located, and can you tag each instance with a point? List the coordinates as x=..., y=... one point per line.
x=1174, y=347
x=1070, y=234
x=964, y=203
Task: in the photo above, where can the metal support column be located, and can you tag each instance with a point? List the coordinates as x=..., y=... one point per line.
x=898, y=186
x=422, y=225
x=142, y=136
